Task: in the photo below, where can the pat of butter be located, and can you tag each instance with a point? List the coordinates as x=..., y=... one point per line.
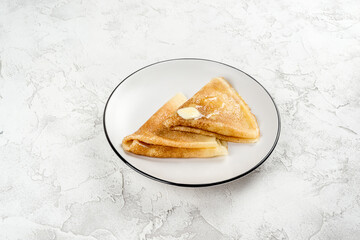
x=189, y=113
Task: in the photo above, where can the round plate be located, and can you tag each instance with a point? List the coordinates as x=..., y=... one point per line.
x=142, y=93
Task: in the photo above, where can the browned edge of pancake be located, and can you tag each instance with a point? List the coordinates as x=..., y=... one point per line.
x=157, y=151
x=213, y=134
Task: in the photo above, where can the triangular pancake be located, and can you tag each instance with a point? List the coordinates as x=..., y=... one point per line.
x=153, y=139
x=224, y=114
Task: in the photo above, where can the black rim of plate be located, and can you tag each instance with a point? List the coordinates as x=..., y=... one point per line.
x=183, y=184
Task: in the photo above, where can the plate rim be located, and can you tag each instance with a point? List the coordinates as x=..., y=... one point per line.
x=186, y=184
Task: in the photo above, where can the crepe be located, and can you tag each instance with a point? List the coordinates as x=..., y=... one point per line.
x=223, y=114
x=153, y=139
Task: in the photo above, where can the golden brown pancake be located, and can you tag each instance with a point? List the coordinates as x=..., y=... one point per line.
x=223, y=114
x=153, y=139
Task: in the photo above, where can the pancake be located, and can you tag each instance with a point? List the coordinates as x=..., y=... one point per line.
x=153, y=139
x=222, y=114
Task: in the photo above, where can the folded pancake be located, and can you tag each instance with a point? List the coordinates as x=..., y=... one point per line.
x=216, y=110
x=153, y=139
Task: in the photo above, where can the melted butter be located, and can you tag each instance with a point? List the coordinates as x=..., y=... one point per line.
x=215, y=112
x=210, y=106
x=211, y=98
x=189, y=113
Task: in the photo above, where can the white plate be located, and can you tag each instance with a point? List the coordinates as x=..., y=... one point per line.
x=142, y=93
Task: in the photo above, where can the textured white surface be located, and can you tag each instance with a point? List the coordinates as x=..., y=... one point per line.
x=61, y=59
